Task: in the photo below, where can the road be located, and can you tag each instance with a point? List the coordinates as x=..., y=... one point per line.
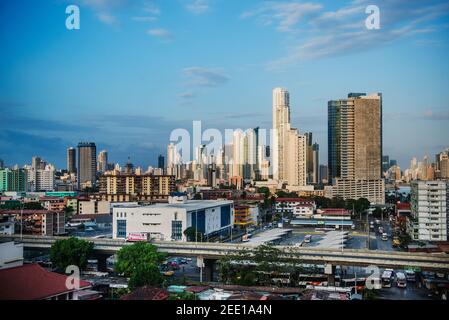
x=378, y=243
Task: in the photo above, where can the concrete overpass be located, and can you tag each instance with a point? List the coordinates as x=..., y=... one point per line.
x=213, y=251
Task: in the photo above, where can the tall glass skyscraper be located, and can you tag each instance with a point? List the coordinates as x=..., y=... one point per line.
x=87, y=164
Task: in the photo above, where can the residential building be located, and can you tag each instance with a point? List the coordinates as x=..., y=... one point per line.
x=355, y=147
x=7, y=223
x=53, y=203
x=168, y=221
x=289, y=147
x=93, y=206
x=117, y=187
x=39, y=179
x=32, y=282
x=289, y=205
x=87, y=164
x=38, y=222
x=12, y=180
x=429, y=211
x=243, y=216
x=102, y=161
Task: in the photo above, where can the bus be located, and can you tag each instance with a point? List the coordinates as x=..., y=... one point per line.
x=401, y=280
x=311, y=279
x=410, y=275
x=349, y=283
x=386, y=278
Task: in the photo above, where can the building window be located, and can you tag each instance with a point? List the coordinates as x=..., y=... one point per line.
x=176, y=230
x=121, y=229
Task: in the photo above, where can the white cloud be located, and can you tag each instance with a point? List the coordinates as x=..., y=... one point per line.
x=160, y=33
x=107, y=18
x=326, y=33
x=205, y=77
x=198, y=6
x=286, y=15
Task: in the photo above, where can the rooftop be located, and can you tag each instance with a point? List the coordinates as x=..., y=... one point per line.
x=190, y=205
x=32, y=282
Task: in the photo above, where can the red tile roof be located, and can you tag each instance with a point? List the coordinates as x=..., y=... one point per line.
x=335, y=212
x=293, y=200
x=32, y=282
x=29, y=212
x=146, y=293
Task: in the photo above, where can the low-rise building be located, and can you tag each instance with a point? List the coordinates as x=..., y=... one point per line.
x=243, y=216
x=7, y=222
x=32, y=282
x=93, y=206
x=53, y=203
x=38, y=222
x=289, y=205
x=333, y=214
x=168, y=221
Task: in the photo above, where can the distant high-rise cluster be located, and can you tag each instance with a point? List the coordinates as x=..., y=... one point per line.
x=427, y=170
x=247, y=156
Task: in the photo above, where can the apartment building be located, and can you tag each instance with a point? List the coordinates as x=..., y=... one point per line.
x=429, y=211
x=124, y=187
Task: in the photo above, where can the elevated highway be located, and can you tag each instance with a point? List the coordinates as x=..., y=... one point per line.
x=214, y=251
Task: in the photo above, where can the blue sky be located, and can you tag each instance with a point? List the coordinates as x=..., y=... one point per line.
x=136, y=70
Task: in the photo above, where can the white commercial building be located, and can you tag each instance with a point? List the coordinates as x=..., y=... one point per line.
x=168, y=221
x=11, y=254
x=429, y=211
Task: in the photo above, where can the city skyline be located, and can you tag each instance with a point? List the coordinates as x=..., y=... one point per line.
x=114, y=81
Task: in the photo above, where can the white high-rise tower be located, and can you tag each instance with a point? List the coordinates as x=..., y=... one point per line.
x=289, y=151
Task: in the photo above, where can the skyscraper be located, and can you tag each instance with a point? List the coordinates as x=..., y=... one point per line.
x=87, y=164
x=289, y=147
x=312, y=156
x=103, y=161
x=385, y=163
x=71, y=160
x=161, y=162
x=2, y=164
x=281, y=123
x=355, y=147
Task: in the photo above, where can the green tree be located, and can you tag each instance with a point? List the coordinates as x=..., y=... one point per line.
x=141, y=263
x=193, y=235
x=68, y=212
x=72, y=251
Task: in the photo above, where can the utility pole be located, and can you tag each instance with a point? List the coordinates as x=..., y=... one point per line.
x=21, y=220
